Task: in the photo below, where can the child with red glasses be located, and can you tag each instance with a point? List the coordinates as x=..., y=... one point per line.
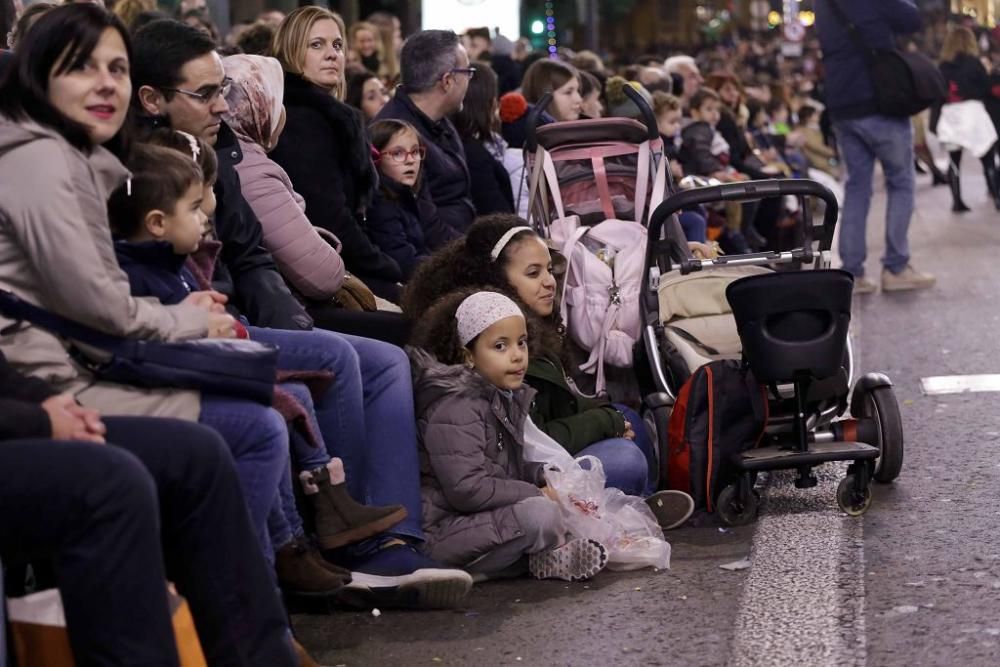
x=402, y=219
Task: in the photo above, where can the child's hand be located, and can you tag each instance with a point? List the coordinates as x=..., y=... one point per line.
x=629, y=434
x=221, y=325
x=210, y=300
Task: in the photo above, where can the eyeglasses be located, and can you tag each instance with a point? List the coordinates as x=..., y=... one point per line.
x=400, y=154
x=471, y=71
x=205, y=94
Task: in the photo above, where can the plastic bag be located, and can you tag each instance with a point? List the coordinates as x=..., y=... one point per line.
x=623, y=524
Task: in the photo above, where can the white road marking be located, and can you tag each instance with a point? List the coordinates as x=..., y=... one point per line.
x=959, y=384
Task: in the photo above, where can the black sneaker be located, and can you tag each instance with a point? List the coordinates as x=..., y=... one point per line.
x=671, y=508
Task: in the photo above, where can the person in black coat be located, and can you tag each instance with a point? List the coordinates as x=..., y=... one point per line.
x=325, y=151
x=97, y=511
x=436, y=75
x=246, y=272
x=967, y=80
x=477, y=123
x=402, y=216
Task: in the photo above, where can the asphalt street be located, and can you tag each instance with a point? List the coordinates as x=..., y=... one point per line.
x=916, y=581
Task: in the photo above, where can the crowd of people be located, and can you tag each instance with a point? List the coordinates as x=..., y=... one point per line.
x=359, y=201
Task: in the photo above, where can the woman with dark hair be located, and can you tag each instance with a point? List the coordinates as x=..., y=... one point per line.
x=65, y=100
x=478, y=124
x=501, y=250
x=365, y=92
x=324, y=148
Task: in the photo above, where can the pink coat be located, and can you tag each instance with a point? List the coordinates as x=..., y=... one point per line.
x=309, y=264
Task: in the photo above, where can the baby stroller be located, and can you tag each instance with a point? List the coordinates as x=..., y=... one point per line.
x=596, y=169
x=790, y=327
x=592, y=184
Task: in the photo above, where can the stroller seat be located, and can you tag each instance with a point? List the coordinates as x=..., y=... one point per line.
x=793, y=326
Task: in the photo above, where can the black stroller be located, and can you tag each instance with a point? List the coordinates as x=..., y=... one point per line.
x=790, y=326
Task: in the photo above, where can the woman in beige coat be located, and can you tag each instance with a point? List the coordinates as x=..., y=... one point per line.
x=61, y=107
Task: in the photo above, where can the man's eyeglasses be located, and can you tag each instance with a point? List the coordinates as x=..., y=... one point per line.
x=205, y=94
x=471, y=71
x=400, y=154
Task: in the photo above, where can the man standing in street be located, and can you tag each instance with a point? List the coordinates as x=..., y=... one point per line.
x=864, y=135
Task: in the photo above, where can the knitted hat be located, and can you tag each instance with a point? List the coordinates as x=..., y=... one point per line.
x=514, y=111
x=618, y=103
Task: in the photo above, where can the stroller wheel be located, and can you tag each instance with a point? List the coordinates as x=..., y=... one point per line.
x=879, y=404
x=850, y=499
x=734, y=510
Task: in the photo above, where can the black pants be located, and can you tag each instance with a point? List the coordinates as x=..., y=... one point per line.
x=103, y=512
x=387, y=327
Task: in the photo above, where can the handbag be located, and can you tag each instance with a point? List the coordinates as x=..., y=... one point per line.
x=224, y=366
x=37, y=626
x=905, y=82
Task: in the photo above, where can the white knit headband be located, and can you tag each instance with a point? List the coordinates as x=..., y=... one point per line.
x=505, y=239
x=480, y=311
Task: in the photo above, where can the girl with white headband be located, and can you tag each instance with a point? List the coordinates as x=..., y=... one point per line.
x=484, y=507
x=502, y=250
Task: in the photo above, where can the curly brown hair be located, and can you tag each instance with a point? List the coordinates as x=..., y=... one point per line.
x=466, y=263
x=437, y=329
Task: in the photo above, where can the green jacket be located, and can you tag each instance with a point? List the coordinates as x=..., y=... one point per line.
x=571, y=420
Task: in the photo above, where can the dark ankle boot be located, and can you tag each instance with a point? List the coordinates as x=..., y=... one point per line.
x=957, y=205
x=339, y=518
x=301, y=571
x=992, y=180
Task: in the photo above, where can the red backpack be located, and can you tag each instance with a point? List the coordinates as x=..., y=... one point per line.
x=720, y=411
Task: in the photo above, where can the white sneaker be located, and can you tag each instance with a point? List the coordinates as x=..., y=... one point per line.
x=577, y=560
x=863, y=285
x=907, y=279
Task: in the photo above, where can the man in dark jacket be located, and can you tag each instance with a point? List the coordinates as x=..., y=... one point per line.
x=95, y=510
x=435, y=75
x=179, y=79
x=864, y=135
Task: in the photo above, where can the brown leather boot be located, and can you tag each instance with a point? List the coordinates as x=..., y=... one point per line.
x=339, y=518
x=301, y=571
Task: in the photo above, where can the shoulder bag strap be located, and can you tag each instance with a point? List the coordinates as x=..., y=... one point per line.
x=19, y=310
x=852, y=30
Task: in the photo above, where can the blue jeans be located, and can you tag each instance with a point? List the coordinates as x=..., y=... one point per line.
x=861, y=142
x=258, y=439
x=626, y=462
x=366, y=417
x=694, y=225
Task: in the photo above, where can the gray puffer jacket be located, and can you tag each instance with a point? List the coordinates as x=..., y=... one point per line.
x=471, y=468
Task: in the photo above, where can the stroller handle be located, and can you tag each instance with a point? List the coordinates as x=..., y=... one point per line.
x=740, y=192
x=648, y=117
x=531, y=121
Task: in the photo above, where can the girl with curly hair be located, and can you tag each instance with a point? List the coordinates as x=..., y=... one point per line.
x=502, y=250
x=484, y=506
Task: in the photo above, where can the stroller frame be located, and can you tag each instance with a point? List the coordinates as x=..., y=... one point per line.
x=802, y=432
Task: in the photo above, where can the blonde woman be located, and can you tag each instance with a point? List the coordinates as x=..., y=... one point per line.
x=324, y=148
x=366, y=47
x=964, y=123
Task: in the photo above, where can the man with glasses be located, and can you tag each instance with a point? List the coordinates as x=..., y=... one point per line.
x=435, y=72
x=179, y=82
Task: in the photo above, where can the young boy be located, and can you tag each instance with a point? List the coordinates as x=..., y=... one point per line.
x=703, y=150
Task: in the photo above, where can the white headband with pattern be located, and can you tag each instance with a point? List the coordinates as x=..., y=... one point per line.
x=505, y=239
x=192, y=142
x=480, y=311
